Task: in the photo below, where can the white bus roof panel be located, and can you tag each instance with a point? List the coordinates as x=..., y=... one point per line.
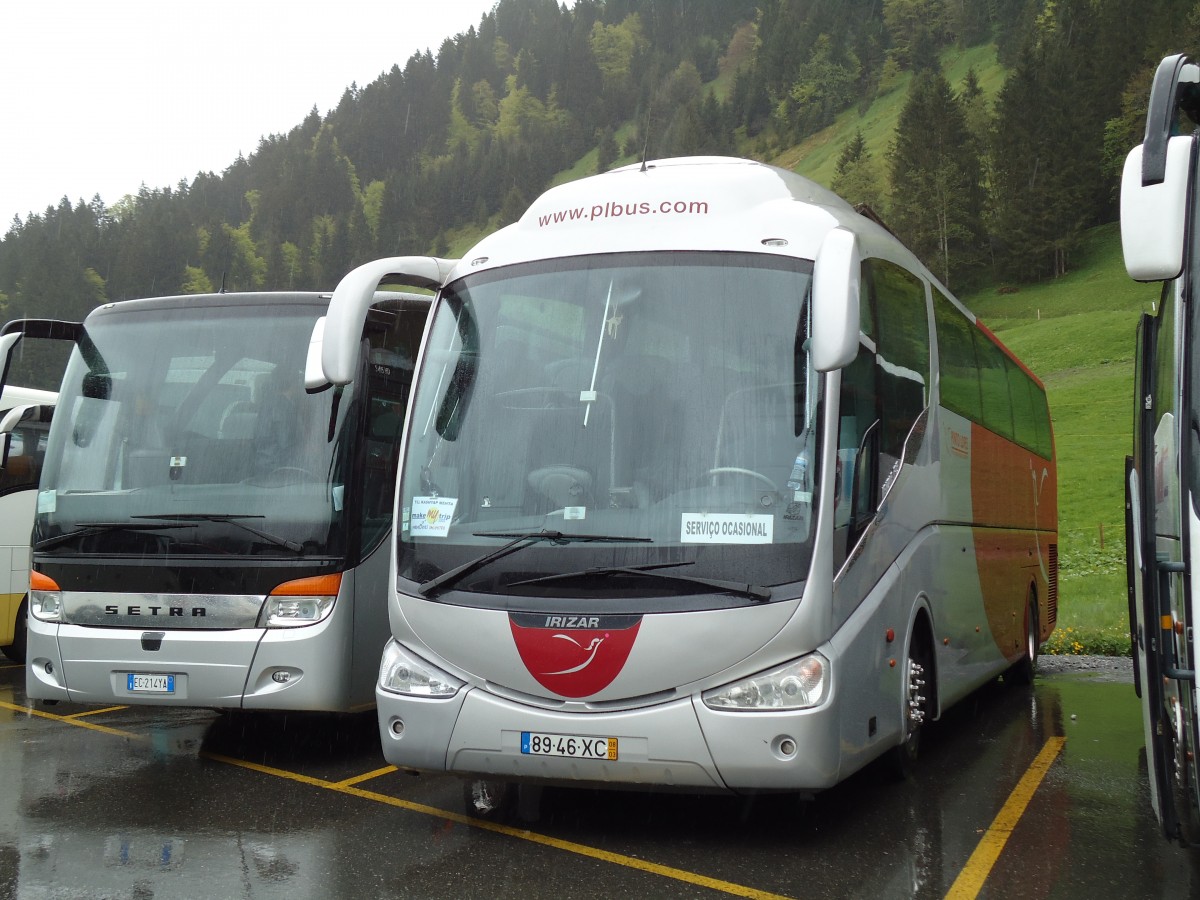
x=698, y=203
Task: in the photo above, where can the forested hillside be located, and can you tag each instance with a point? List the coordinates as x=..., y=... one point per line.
x=990, y=178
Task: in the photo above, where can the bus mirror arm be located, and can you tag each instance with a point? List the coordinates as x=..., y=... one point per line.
x=8, y=343
x=353, y=297
x=18, y=414
x=1174, y=87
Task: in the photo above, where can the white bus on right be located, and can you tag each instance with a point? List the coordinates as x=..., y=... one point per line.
x=1158, y=237
x=707, y=483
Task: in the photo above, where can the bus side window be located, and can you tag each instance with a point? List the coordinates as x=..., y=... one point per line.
x=23, y=467
x=958, y=370
x=392, y=348
x=856, y=457
x=897, y=298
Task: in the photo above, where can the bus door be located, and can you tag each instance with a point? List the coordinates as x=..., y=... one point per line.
x=1144, y=584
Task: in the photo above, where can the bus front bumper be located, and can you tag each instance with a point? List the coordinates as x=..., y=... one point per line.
x=249, y=668
x=678, y=744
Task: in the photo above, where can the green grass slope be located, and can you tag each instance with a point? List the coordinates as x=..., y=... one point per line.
x=817, y=156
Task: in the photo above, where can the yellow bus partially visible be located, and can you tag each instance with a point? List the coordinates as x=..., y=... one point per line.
x=21, y=465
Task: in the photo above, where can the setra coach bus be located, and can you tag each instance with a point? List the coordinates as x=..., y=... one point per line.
x=1159, y=224
x=207, y=531
x=707, y=483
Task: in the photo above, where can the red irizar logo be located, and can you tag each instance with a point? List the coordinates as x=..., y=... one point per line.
x=574, y=656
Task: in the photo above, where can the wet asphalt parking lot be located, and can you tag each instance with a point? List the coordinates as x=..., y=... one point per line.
x=1021, y=792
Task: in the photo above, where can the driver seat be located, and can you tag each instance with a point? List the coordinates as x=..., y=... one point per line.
x=757, y=431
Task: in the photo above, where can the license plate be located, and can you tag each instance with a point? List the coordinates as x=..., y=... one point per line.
x=143, y=683
x=576, y=746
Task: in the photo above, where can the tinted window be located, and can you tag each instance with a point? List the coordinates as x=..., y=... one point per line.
x=958, y=372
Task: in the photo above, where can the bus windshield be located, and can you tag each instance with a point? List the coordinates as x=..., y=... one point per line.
x=188, y=432
x=632, y=415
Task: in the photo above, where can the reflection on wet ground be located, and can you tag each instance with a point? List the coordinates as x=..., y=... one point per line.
x=140, y=803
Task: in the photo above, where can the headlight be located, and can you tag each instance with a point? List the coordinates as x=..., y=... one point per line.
x=800, y=684
x=401, y=672
x=304, y=601
x=45, y=598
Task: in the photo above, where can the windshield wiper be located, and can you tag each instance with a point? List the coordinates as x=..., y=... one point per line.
x=234, y=520
x=650, y=570
x=520, y=540
x=98, y=528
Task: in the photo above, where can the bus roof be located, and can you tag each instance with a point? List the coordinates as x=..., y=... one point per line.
x=249, y=298
x=691, y=203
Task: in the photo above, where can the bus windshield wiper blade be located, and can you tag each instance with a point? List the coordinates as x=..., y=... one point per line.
x=520, y=540
x=753, y=591
x=185, y=518
x=99, y=528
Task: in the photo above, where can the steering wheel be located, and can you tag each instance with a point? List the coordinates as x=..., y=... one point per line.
x=737, y=470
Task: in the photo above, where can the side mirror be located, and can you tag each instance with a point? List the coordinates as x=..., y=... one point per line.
x=835, y=299
x=353, y=297
x=314, y=376
x=1154, y=215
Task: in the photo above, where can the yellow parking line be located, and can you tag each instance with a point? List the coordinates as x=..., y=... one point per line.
x=29, y=710
x=348, y=787
x=727, y=887
x=359, y=779
x=93, y=712
x=970, y=880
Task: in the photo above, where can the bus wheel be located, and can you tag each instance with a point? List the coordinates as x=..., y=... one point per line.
x=918, y=670
x=16, y=650
x=1022, y=670
x=488, y=799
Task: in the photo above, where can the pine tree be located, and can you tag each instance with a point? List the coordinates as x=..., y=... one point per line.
x=856, y=177
x=936, y=199
x=607, y=150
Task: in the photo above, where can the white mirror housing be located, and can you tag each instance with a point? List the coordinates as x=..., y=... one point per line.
x=314, y=375
x=1154, y=216
x=835, y=299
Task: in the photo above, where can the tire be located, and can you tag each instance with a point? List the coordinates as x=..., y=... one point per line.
x=1022, y=670
x=16, y=650
x=488, y=799
x=915, y=696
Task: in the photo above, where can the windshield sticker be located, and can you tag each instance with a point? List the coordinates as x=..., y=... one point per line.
x=47, y=501
x=431, y=516
x=574, y=512
x=719, y=528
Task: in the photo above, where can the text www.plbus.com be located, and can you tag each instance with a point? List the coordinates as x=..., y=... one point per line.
x=617, y=210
